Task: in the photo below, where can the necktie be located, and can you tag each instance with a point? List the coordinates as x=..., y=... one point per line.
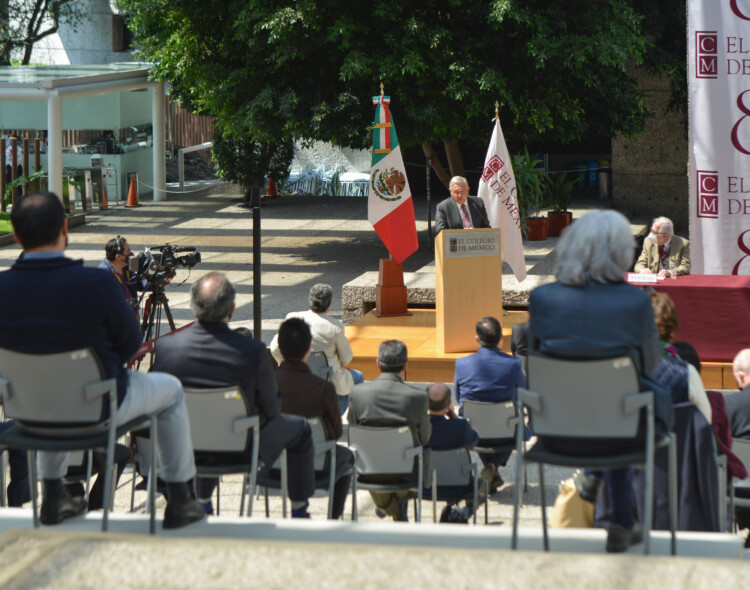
x=664, y=256
x=465, y=216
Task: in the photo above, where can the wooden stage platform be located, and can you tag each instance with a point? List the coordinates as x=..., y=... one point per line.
x=428, y=364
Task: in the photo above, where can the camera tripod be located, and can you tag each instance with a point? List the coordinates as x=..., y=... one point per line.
x=154, y=304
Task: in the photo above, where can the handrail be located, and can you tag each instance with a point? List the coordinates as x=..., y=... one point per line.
x=181, y=159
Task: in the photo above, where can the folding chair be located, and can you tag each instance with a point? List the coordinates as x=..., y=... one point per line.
x=327, y=472
x=495, y=423
x=382, y=453
x=61, y=402
x=741, y=448
x=595, y=399
x=220, y=423
x=452, y=471
x=318, y=363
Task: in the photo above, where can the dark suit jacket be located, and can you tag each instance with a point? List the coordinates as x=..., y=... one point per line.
x=305, y=394
x=488, y=375
x=208, y=355
x=388, y=401
x=55, y=304
x=451, y=433
x=599, y=320
x=448, y=216
x=738, y=410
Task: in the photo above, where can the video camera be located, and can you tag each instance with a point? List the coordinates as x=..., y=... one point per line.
x=156, y=264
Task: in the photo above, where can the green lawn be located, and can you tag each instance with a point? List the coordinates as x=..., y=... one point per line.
x=5, y=226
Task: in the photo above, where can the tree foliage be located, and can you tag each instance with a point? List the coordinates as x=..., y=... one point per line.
x=24, y=22
x=242, y=160
x=307, y=69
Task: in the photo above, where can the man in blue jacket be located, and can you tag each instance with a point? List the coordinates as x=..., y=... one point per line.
x=489, y=375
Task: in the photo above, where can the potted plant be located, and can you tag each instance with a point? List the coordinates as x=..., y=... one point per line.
x=531, y=187
x=560, y=190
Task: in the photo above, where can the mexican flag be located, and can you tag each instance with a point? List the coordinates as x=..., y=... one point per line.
x=390, y=208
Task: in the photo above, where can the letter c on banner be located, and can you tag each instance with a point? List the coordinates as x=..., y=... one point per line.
x=742, y=246
x=735, y=130
x=737, y=11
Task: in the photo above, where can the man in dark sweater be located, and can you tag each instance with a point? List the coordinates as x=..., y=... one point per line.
x=305, y=394
x=50, y=303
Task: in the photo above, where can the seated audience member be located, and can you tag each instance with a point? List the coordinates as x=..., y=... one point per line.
x=681, y=377
x=209, y=354
x=50, y=303
x=738, y=410
x=305, y=394
x=328, y=336
x=719, y=418
x=450, y=432
x=489, y=375
x=590, y=312
x=664, y=253
x=388, y=401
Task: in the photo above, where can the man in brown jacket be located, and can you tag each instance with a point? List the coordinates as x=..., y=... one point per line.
x=305, y=394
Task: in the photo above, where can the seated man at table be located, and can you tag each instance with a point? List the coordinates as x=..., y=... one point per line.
x=663, y=252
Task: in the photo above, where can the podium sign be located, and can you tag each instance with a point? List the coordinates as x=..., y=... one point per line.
x=469, y=285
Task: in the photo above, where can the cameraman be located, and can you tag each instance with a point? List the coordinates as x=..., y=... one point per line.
x=117, y=254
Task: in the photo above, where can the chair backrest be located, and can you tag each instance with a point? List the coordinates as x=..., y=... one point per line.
x=63, y=388
x=582, y=397
x=318, y=363
x=741, y=448
x=453, y=467
x=318, y=436
x=382, y=450
x=490, y=420
x=213, y=414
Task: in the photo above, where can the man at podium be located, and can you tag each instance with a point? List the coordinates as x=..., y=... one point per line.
x=460, y=211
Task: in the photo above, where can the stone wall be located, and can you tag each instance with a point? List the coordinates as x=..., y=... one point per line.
x=649, y=173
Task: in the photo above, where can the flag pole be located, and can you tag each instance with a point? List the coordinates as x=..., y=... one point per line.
x=497, y=111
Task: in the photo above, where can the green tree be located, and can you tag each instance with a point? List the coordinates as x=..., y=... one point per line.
x=24, y=22
x=246, y=162
x=306, y=69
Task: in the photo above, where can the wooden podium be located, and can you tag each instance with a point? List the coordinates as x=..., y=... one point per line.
x=468, y=285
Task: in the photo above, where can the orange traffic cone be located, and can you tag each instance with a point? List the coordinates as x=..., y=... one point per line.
x=271, y=188
x=133, y=194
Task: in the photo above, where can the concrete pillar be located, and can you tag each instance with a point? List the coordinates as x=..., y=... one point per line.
x=54, y=144
x=157, y=120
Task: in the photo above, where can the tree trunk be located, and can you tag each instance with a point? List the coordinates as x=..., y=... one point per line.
x=441, y=172
x=455, y=161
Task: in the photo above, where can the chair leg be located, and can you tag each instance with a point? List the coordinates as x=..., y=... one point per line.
x=31, y=458
x=487, y=501
x=245, y=484
x=152, y=477
x=218, y=496
x=132, y=488
x=3, y=468
x=89, y=473
x=673, y=515
x=284, y=482
x=434, y=496
x=543, y=504
x=355, y=514
x=268, y=512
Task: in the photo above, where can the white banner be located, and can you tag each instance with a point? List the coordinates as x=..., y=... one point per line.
x=497, y=188
x=719, y=129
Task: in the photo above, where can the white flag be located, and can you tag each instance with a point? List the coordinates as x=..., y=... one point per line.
x=497, y=188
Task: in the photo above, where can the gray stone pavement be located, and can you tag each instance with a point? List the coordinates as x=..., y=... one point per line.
x=305, y=240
